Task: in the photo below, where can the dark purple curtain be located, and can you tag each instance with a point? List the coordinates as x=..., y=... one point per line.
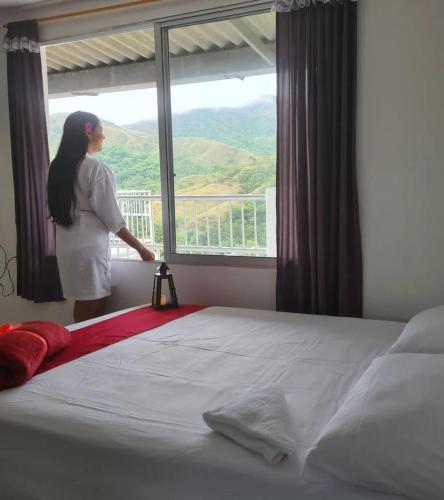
x=319, y=261
x=37, y=273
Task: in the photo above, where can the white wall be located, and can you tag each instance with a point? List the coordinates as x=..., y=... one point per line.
x=237, y=287
x=401, y=154
x=400, y=174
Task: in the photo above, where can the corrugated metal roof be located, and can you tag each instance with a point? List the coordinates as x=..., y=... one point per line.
x=257, y=31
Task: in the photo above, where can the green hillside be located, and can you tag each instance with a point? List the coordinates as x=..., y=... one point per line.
x=216, y=151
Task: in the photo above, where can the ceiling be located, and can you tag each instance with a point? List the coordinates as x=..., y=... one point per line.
x=257, y=32
x=8, y=4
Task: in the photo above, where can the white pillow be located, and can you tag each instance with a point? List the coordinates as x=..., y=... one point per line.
x=389, y=433
x=423, y=333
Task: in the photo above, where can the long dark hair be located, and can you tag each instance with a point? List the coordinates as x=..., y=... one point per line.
x=63, y=169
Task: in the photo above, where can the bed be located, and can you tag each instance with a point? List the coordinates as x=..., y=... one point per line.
x=126, y=422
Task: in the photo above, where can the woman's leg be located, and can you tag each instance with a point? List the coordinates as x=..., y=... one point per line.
x=88, y=309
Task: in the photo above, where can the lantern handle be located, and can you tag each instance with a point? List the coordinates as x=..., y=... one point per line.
x=163, y=269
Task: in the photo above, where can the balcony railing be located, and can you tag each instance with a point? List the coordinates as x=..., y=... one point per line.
x=205, y=224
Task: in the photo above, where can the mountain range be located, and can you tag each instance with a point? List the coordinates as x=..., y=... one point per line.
x=216, y=150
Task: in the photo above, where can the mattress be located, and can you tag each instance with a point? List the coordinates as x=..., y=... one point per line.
x=126, y=422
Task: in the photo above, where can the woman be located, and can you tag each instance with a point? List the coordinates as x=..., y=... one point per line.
x=82, y=203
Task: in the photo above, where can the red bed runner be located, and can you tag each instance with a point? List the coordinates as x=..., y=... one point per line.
x=104, y=333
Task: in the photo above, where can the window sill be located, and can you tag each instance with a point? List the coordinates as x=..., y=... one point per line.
x=223, y=261
x=214, y=260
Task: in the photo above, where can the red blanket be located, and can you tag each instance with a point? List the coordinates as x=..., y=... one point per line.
x=104, y=333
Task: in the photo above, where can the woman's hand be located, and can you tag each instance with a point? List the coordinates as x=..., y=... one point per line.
x=145, y=254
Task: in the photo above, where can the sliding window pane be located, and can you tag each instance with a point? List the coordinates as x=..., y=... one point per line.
x=114, y=77
x=223, y=102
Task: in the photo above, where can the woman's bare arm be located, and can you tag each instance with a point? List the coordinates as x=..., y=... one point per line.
x=125, y=235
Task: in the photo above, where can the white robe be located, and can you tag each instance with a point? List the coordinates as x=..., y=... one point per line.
x=83, y=248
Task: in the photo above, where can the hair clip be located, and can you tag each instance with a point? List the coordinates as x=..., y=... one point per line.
x=88, y=127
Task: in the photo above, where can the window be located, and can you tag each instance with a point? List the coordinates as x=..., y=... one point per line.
x=221, y=135
x=200, y=184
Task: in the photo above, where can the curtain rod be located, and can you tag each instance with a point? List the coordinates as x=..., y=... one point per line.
x=97, y=10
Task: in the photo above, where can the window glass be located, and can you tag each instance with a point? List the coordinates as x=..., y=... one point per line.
x=114, y=77
x=223, y=104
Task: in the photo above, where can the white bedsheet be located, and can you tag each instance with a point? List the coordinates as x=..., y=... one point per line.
x=126, y=422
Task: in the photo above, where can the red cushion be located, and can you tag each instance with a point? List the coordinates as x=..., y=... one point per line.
x=56, y=336
x=21, y=354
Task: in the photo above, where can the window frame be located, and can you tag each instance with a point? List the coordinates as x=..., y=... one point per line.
x=161, y=29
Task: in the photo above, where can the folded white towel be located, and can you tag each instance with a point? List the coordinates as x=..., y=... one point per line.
x=259, y=420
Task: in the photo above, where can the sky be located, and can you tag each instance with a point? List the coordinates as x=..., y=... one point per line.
x=136, y=105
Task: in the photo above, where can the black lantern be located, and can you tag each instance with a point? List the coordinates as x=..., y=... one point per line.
x=164, y=299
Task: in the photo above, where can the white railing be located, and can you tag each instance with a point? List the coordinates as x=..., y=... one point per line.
x=205, y=224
